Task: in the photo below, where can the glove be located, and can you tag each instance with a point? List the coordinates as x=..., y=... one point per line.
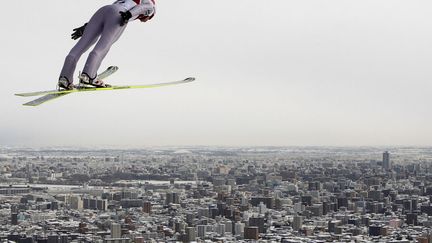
x=78, y=32
x=144, y=18
x=125, y=16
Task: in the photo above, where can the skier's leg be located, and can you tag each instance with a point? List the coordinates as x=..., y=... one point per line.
x=110, y=34
x=92, y=32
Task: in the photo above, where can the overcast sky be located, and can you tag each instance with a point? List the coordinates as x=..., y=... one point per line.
x=274, y=72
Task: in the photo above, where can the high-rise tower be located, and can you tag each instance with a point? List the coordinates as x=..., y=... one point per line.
x=386, y=161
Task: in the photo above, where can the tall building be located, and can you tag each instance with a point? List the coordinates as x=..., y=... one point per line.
x=29, y=168
x=298, y=222
x=147, y=207
x=268, y=201
x=375, y=230
x=239, y=228
x=76, y=202
x=262, y=208
x=172, y=197
x=115, y=230
x=298, y=207
x=386, y=161
x=132, y=203
x=220, y=229
x=102, y=204
x=95, y=204
x=202, y=230
x=179, y=226
x=258, y=222
x=228, y=226
x=411, y=219
x=14, y=218
x=190, y=234
x=316, y=210
x=251, y=233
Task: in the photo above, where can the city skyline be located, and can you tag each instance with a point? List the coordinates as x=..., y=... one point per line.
x=214, y=194
x=285, y=73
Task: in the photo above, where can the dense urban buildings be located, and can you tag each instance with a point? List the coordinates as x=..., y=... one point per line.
x=203, y=194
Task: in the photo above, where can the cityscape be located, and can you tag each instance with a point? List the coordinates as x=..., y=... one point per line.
x=306, y=122
x=216, y=194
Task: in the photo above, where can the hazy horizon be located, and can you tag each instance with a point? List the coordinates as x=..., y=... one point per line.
x=283, y=73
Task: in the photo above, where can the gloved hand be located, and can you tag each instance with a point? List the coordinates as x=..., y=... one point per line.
x=125, y=17
x=144, y=18
x=78, y=32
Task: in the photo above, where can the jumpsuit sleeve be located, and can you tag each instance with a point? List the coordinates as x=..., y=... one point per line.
x=145, y=9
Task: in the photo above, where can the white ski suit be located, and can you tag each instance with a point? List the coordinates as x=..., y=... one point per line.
x=104, y=30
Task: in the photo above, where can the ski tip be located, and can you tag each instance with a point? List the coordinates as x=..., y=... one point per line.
x=113, y=68
x=190, y=79
x=21, y=94
x=29, y=105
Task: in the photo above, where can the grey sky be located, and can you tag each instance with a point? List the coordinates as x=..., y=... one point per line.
x=275, y=72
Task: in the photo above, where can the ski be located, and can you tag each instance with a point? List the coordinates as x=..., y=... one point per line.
x=110, y=70
x=88, y=88
x=54, y=94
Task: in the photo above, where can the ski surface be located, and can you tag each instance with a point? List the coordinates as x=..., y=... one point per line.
x=110, y=70
x=57, y=94
x=89, y=89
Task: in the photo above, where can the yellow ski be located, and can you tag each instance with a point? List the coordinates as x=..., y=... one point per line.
x=54, y=94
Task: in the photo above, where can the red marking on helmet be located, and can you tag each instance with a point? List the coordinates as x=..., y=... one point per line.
x=139, y=1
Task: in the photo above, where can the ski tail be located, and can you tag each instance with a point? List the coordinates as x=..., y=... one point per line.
x=44, y=99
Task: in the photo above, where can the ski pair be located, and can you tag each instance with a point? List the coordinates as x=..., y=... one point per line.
x=54, y=94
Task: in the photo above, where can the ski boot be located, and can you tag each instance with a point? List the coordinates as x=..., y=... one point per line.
x=85, y=80
x=64, y=84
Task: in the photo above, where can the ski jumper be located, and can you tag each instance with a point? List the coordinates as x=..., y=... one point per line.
x=104, y=30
